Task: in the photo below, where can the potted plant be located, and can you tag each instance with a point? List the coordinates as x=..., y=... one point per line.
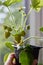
x=25, y=54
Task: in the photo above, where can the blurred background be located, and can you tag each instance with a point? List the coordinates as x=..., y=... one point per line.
x=35, y=20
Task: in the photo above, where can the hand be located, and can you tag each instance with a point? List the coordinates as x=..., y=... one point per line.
x=12, y=56
x=35, y=62
x=10, y=59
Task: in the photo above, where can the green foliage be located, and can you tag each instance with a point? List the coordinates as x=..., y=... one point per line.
x=37, y=4
x=17, y=22
x=41, y=29
x=9, y=45
x=23, y=58
x=5, y=57
x=9, y=2
x=7, y=34
x=17, y=37
x=16, y=28
x=19, y=19
x=7, y=28
x=22, y=33
x=41, y=3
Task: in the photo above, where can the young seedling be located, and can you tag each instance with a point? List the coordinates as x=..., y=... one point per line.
x=16, y=30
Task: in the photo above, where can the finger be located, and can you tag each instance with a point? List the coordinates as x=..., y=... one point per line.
x=11, y=57
x=14, y=61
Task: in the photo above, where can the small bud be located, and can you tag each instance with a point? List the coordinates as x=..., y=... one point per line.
x=21, y=8
x=28, y=27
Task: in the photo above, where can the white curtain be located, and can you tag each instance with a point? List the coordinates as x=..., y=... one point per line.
x=35, y=20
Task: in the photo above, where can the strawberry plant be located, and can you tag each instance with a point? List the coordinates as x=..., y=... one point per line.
x=17, y=28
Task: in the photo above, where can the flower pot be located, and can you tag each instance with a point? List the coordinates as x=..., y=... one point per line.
x=17, y=56
x=34, y=52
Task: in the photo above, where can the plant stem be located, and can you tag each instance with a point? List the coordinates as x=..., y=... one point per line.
x=27, y=16
x=15, y=42
x=36, y=37
x=11, y=17
x=10, y=14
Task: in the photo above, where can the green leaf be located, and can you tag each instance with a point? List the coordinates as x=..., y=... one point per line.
x=37, y=4
x=17, y=22
x=22, y=33
x=23, y=58
x=9, y=2
x=5, y=57
x=18, y=0
x=7, y=34
x=41, y=29
x=26, y=57
x=41, y=3
x=17, y=37
x=7, y=28
x=9, y=45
